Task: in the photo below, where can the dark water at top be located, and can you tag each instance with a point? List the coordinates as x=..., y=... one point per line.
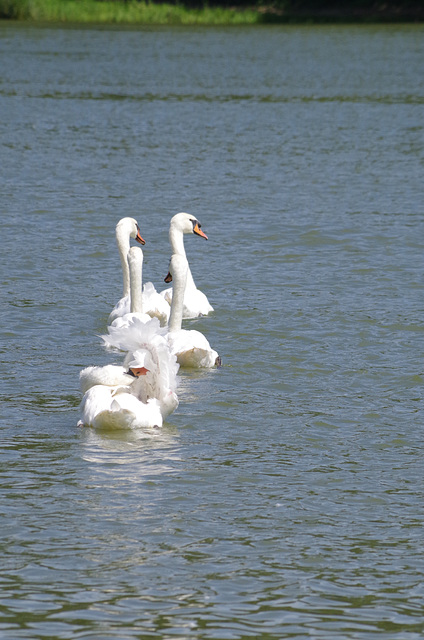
x=284, y=498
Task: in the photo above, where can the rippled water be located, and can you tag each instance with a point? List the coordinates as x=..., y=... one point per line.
x=284, y=498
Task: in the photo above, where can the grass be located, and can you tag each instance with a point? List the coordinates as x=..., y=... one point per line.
x=146, y=12
x=94, y=12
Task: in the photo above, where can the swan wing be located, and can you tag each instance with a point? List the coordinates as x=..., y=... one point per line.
x=120, y=309
x=155, y=305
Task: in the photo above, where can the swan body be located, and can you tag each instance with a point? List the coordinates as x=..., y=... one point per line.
x=140, y=396
x=135, y=298
x=110, y=376
x=146, y=340
x=156, y=305
x=106, y=407
x=191, y=348
x=195, y=301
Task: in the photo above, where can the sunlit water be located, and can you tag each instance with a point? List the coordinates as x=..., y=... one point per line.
x=284, y=497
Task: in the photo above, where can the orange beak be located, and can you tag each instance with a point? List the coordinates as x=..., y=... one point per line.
x=138, y=236
x=138, y=371
x=168, y=278
x=199, y=232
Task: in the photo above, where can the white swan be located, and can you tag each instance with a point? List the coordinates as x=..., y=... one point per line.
x=110, y=375
x=108, y=408
x=135, y=298
x=137, y=337
x=138, y=397
x=195, y=301
x=153, y=302
x=136, y=333
x=125, y=229
x=190, y=347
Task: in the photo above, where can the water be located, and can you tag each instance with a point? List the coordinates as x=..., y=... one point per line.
x=284, y=497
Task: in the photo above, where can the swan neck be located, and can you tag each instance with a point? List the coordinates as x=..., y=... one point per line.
x=176, y=239
x=190, y=284
x=136, y=283
x=123, y=242
x=179, y=279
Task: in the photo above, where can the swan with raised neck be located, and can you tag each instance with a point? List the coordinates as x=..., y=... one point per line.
x=190, y=347
x=126, y=229
x=195, y=301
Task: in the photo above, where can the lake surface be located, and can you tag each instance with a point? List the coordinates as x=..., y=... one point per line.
x=284, y=499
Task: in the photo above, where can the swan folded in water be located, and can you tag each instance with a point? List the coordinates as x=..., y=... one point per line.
x=142, y=392
x=140, y=396
x=195, y=302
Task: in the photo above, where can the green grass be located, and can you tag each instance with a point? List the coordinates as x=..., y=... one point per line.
x=92, y=11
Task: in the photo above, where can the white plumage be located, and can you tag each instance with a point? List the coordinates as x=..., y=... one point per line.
x=195, y=301
x=190, y=347
x=153, y=303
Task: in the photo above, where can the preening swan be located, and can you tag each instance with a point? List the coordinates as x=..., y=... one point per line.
x=138, y=334
x=153, y=302
x=111, y=375
x=140, y=396
x=195, y=301
x=191, y=347
x=109, y=408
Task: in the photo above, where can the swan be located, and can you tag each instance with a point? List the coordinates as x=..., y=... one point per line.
x=136, y=338
x=112, y=400
x=125, y=229
x=137, y=331
x=110, y=375
x=138, y=397
x=153, y=302
x=190, y=347
x=108, y=408
x=135, y=298
x=195, y=302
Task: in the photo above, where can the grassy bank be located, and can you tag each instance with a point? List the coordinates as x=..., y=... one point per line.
x=144, y=12
x=92, y=11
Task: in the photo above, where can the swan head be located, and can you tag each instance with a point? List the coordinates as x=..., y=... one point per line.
x=137, y=372
x=137, y=367
x=186, y=223
x=177, y=264
x=129, y=227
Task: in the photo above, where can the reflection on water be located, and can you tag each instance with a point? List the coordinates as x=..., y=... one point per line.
x=143, y=452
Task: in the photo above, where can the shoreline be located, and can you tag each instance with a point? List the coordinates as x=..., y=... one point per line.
x=146, y=13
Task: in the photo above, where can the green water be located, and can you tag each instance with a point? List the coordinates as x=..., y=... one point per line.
x=284, y=497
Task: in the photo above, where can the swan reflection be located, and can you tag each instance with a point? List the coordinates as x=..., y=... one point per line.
x=140, y=452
